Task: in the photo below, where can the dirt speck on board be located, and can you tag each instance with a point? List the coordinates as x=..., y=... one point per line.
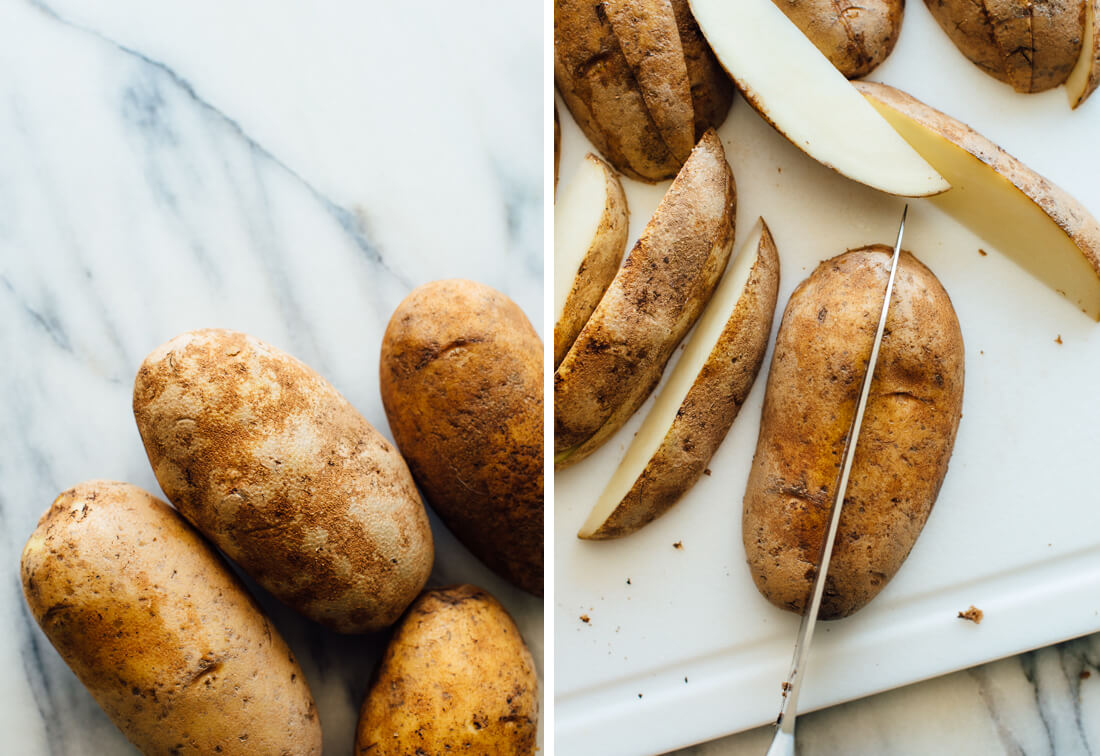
x=585, y=619
x=628, y=581
x=639, y=695
x=1085, y=674
x=973, y=614
x=678, y=545
x=982, y=252
x=1058, y=340
x=685, y=679
x=707, y=471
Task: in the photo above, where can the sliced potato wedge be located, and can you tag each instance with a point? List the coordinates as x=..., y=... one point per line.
x=1039, y=226
x=590, y=231
x=1085, y=76
x=701, y=399
x=796, y=89
x=657, y=295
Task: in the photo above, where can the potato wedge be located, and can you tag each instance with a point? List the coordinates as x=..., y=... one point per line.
x=701, y=399
x=557, y=146
x=161, y=631
x=1033, y=46
x=655, y=298
x=855, y=38
x=1039, y=226
x=796, y=89
x=590, y=232
x=1085, y=76
x=912, y=415
x=638, y=80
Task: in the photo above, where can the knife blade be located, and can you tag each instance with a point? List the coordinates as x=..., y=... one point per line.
x=784, y=743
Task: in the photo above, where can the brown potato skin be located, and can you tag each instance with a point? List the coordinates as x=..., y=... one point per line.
x=711, y=405
x=161, y=632
x=456, y=678
x=272, y=464
x=599, y=267
x=1031, y=46
x=908, y=432
x=637, y=91
x=855, y=37
x=666, y=280
x=461, y=381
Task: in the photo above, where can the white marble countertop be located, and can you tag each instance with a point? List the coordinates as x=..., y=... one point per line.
x=291, y=170
x=1042, y=703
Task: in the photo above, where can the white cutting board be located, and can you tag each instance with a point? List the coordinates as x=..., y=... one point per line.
x=679, y=647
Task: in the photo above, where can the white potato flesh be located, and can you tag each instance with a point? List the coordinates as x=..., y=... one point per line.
x=576, y=220
x=1085, y=76
x=1010, y=217
x=795, y=87
x=700, y=344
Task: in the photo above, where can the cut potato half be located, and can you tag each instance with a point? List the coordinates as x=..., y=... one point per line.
x=1085, y=76
x=701, y=399
x=1039, y=226
x=796, y=89
x=590, y=232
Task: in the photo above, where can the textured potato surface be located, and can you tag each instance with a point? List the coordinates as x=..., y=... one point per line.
x=855, y=36
x=657, y=295
x=272, y=464
x=461, y=381
x=456, y=678
x=1031, y=45
x=912, y=414
x=639, y=79
x=161, y=632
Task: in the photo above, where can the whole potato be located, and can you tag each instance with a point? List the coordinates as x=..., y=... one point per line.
x=456, y=678
x=913, y=410
x=160, y=631
x=461, y=381
x=1031, y=45
x=855, y=37
x=272, y=464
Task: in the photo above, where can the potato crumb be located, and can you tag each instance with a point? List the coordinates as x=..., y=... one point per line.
x=678, y=545
x=1058, y=340
x=585, y=619
x=1085, y=674
x=707, y=471
x=982, y=252
x=974, y=614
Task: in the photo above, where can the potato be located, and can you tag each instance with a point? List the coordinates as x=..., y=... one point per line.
x=667, y=279
x=272, y=464
x=456, y=678
x=161, y=632
x=1085, y=76
x=1019, y=213
x=461, y=380
x=590, y=232
x=855, y=38
x=909, y=426
x=639, y=80
x=557, y=146
x=1033, y=46
x=701, y=399
x=797, y=90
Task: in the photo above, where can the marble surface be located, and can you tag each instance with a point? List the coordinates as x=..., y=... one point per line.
x=1042, y=703
x=291, y=170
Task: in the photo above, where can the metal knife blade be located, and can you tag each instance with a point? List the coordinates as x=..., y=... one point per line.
x=783, y=744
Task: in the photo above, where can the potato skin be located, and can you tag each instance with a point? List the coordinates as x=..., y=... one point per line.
x=161, y=632
x=710, y=407
x=855, y=37
x=639, y=79
x=1032, y=46
x=909, y=427
x=456, y=678
x=461, y=380
x=657, y=295
x=599, y=267
x=272, y=464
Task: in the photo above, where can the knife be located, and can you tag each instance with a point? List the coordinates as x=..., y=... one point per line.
x=783, y=743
